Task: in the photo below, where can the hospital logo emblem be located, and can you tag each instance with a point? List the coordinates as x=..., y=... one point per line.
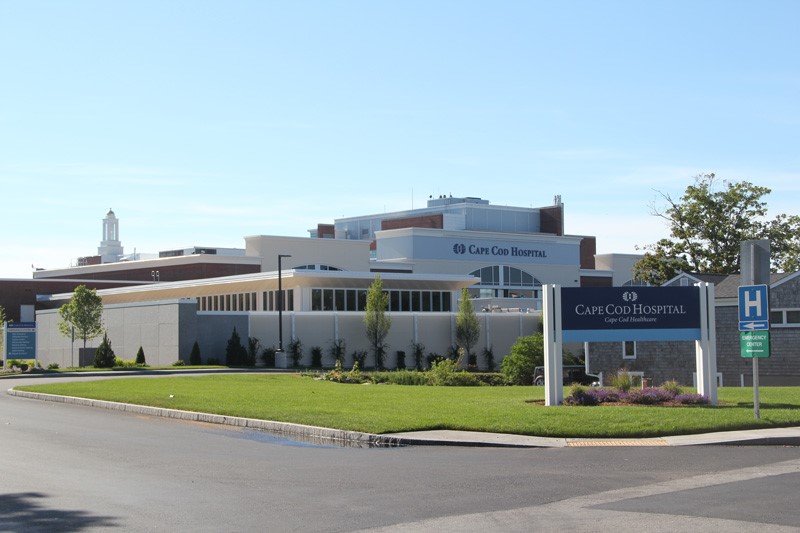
x=630, y=296
x=459, y=249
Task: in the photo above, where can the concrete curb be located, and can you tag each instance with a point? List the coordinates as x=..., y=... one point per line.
x=789, y=436
x=313, y=433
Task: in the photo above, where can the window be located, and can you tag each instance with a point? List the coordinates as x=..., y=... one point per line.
x=629, y=350
x=784, y=318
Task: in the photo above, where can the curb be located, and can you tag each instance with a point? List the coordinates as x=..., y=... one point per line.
x=313, y=433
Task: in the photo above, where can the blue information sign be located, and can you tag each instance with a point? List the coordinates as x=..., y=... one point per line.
x=20, y=340
x=753, y=308
x=630, y=313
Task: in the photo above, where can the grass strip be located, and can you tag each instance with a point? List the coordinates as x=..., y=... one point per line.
x=396, y=408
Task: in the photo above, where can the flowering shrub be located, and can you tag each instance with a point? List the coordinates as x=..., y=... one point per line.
x=580, y=395
x=649, y=396
x=692, y=399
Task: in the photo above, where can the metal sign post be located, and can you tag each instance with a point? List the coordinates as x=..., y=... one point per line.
x=754, y=307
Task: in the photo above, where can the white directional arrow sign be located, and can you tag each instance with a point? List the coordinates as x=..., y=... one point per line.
x=753, y=326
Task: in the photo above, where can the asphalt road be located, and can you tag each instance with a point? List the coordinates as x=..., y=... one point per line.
x=72, y=468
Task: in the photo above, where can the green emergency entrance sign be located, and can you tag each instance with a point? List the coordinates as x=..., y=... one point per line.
x=754, y=343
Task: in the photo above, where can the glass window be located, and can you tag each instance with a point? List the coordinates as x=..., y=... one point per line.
x=629, y=350
x=415, y=301
x=405, y=298
x=394, y=301
x=776, y=317
x=351, y=300
x=436, y=304
x=793, y=317
x=362, y=300
x=426, y=301
x=327, y=299
x=316, y=299
x=289, y=300
x=446, y=296
x=339, y=299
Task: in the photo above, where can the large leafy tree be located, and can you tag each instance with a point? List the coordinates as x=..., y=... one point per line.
x=707, y=225
x=376, y=321
x=84, y=313
x=468, y=329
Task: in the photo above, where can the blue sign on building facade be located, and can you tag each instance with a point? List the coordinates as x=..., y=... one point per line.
x=630, y=313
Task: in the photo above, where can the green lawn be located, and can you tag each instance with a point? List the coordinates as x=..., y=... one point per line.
x=395, y=408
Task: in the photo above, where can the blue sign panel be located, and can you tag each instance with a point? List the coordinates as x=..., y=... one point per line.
x=630, y=313
x=20, y=340
x=753, y=308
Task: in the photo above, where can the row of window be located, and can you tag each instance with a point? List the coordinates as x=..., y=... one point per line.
x=511, y=277
x=356, y=300
x=247, y=301
x=784, y=317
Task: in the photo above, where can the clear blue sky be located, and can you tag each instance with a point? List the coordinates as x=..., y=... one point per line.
x=200, y=122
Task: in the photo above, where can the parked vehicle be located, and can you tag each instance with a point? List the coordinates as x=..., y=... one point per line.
x=571, y=374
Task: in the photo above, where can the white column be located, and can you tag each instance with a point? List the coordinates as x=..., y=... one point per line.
x=553, y=378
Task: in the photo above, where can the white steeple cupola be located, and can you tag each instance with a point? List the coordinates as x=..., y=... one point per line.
x=110, y=249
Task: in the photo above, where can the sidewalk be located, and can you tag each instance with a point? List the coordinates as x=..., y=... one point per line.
x=774, y=436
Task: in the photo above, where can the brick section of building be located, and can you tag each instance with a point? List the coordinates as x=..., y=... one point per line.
x=588, y=251
x=551, y=220
x=15, y=293
x=425, y=221
x=326, y=231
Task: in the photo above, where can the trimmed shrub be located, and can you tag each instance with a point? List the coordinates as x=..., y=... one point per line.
x=418, y=351
x=692, y=399
x=140, y=357
x=213, y=361
x=268, y=356
x=401, y=360
x=296, y=352
x=649, y=396
x=194, y=356
x=104, y=355
x=253, y=346
x=488, y=357
x=359, y=358
x=316, y=357
x=337, y=350
x=179, y=362
x=672, y=386
x=235, y=353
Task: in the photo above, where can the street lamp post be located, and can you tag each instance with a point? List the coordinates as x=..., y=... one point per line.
x=280, y=303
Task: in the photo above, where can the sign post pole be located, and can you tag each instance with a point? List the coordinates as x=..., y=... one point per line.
x=754, y=302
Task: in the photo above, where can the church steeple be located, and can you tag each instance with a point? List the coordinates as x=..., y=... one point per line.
x=110, y=249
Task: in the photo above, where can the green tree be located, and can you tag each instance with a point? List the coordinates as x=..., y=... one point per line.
x=84, y=313
x=104, y=356
x=707, y=225
x=376, y=321
x=526, y=354
x=468, y=329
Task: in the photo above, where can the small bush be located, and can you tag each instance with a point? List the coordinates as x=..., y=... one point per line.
x=418, y=351
x=52, y=366
x=296, y=352
x=235, y=352
x=360, y=358
x=194, y=357
x=433, y=358
x=316, y=357
x=492, y=379
x=214, y=361
x=446, y=373
x=672, y=386
x=340, y=376
x=104, y=355
x=253, y=347
x=400, y=377
x=179, y=362
x=623, y=381
x=140, y=357
x=268, y=356
x=526, y=354
x=401, y=360
x=580, y=396
x=488, y=357
x=337, y=350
